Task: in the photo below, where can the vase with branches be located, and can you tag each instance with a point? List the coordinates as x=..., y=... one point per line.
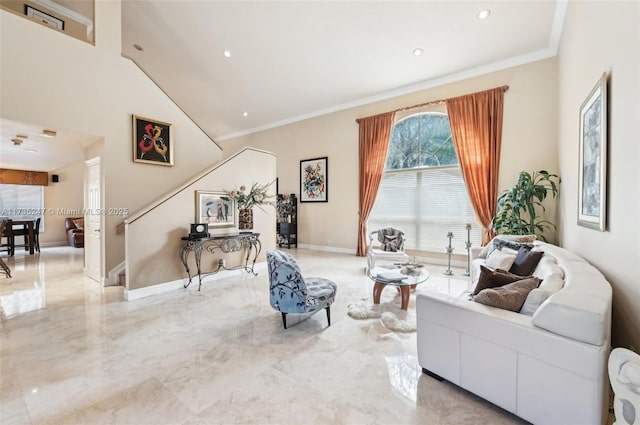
x=256, y=196
x=520, y=207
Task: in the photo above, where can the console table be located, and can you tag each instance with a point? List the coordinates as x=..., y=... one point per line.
x=225, y=243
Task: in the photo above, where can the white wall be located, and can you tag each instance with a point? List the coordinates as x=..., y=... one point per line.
x=60, y=199
x=529, y=140
x=152, y=257
x=599, y=37
x=51, y=79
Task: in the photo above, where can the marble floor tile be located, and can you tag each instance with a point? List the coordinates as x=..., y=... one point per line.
x=73, y=352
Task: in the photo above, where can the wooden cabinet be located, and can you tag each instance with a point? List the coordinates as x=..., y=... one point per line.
x=287, y=221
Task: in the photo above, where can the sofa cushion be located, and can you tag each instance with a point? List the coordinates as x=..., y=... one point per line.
x=494, y=278
x=500, y=260
x=535, y=298
x=547, y=267
x=526, y=261
x=508, y=297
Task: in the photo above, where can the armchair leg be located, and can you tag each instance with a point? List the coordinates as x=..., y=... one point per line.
x=329, y=314
x=284, y=320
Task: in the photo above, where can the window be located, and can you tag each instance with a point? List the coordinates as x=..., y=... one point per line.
x=422, y=191
x=22, y=202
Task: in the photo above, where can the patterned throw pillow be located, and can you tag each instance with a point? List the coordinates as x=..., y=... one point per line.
x=390, y=243
x=79, y=223
x=499, y=243
x=512, y=238
x=508, y=297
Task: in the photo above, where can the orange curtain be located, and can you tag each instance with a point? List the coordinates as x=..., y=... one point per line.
x=373, y=145
x=476, y=126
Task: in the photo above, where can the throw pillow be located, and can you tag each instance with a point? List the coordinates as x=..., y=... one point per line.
x=513, y=238
x=500, y=260
x=493, y=278
x=518, y=238
x=79, y=223
x=390, y=243
x=498, y=243
x=526, y=261
x=508, y=297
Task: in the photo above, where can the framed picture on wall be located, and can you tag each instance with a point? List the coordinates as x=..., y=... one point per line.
x=217, y=209
x=43, y=18
x=592, y=181
x=152, y=141
x=314, y=174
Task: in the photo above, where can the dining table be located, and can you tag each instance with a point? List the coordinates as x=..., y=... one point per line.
x=29, y=225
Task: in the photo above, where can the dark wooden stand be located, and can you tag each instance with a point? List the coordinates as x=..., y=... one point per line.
x=287, y=224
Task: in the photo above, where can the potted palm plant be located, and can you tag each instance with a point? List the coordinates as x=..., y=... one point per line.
x=520, y=207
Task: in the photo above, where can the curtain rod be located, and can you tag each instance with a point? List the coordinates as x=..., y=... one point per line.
x=433, y=102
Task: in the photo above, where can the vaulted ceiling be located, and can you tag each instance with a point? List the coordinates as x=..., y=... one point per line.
x=291, y=60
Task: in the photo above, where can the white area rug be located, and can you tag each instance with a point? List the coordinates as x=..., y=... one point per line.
x=389, y=313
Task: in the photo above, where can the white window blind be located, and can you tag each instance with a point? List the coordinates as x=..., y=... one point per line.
x=426, y=203
x=21, y=201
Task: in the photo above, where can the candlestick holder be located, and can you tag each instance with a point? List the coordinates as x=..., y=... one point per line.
x=468, y=246
x=449, y=249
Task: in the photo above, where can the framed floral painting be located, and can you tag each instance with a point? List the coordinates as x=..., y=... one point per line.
x=314, y=176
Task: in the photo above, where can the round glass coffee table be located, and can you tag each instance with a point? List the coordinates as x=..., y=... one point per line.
x=404, y=276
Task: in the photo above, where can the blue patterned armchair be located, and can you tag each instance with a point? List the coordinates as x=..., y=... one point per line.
x=291, y=293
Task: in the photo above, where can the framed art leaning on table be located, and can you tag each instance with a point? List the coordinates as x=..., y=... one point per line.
x=217, y=209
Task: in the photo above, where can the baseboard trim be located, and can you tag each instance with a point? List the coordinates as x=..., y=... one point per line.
x=161, y=288
x=328, y=249
x=53, y=244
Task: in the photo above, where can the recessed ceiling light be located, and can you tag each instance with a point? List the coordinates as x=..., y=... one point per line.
x=30, y=150
x=417, y=52
x=49, y=133
x=138, y=47
x=227, y=54
x=245, y=114
x=484, y=14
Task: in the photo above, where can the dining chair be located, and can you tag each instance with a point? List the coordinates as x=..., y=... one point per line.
x=36, y=235
x=7, y=241
x=21, y=231
x=4, y=268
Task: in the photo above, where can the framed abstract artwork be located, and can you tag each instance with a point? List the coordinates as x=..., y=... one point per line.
x=592, y=173
x=152, y=141
x=314, y=176
x=217, y=209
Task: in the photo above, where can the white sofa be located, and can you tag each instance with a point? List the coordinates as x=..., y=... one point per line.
x=549, y=368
